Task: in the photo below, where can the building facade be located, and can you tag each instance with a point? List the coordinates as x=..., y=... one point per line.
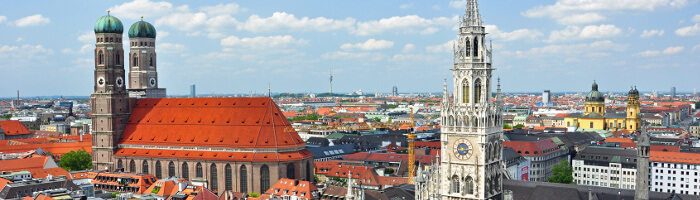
x=143, y=76
x=596, y=117
x=606, y=167
x=472, y=129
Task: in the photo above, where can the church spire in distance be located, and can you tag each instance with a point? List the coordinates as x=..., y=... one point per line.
x=472, y=16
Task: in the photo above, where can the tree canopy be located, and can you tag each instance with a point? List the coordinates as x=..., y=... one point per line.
x=74, y=161
x=562, y=173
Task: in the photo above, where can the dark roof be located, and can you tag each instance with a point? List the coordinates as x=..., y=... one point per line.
x=510, y=154
x=402, y=191
x=328, y=151
x=533, y=190
x=606, y=155
x=317, y=142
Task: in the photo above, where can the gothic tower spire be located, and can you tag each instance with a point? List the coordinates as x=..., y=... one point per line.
x=143, y=74
x=472, y=16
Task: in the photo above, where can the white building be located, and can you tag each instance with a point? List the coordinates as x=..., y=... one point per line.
x=606, y=167
x=675, y=172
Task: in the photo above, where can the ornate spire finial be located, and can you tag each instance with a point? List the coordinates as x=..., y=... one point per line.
x=107, y=12
x=141, y=17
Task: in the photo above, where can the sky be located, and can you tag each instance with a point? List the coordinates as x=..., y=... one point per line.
x=46, y=47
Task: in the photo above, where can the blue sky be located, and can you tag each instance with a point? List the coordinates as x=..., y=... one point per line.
x=237, y=47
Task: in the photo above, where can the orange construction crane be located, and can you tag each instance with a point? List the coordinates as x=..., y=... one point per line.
x=411, y=150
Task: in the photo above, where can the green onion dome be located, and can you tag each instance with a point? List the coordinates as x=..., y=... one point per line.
x=108, y=24
x=142, y=29
x=594, y=94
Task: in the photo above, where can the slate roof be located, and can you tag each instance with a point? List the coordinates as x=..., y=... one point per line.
x=327, y=151
x=608, y=155
x=533, y=190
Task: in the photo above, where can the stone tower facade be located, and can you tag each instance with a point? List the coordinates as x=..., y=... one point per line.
x=110, y=100
x=642, y=181
x=143, y=75
x=472, y=129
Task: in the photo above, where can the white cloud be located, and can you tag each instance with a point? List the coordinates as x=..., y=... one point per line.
x=673, y=50
x=436, y=7
x=285, y=21
x=689, y=30
x=566, y=7
x=696, y=47
x=170, y=48
x=696, y=18
x=34, y=20
x=588, y=32
x=408, y=48
x=84, y=49
x=591, y=49
x=585, y=18
x=19, y=39
x=342, y=55
x=162, y=34
x=461, y=4
x=87, y=37
x=440, y=48
x=651, y=33
x=368, y=45
x=216, y=35
x=183, y=21
x=650, y=53
x=148, y=9
x=404, y=24
x=222, y=9
x=25, y=52
x=514, y=35
x=406, y=6
x=261, y=42
x=2, y=19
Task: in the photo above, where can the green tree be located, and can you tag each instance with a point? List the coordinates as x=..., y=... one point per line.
x=506, y=126
x=561, y=173
x=74, y=161
x=388, y=171
x=377, y=119
x=8, y=116
x=519, y=126
x=253, y=194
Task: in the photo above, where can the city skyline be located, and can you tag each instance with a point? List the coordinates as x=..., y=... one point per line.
x=237, y=48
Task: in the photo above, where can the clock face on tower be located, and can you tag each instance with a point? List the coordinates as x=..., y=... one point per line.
x=462, y=149
x=101, y=81
x=120, y=81
x=152, y=81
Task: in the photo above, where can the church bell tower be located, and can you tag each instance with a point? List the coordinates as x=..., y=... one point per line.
x=472, y=129
x=110, y=100
x=143, y=76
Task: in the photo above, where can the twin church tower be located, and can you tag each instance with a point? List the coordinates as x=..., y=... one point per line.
x=111, y=98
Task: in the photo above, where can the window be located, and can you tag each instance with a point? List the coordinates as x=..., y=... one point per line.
x=158, y=170
x=477, y=91
x=100, y=58
x=199, y=170
x=171, y=169
x=469, y=186
x=185, y=171
x=144, y=167
x=264, y=178
x=476, y=47
x=465, y=91
x=244, y=179
x=132, y=166
x=290, y=171
x=455, y=184
x=229, y=185
x=119, y=164
x=136, y=61
x=213, y=177
x=467, y=47
x=591, y=124
x=150, y=61
x=118, y=60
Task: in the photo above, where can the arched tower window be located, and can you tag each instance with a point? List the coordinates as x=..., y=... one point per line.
x=465, y=91
x=468, y=47
x=469, y=185
x=244, y=179
x=591, y=124
x=455, y=184
x=264, y=178
x=119, y=164
x=144, y=167
x=185, y=171
x=290, y=171
x=476, y=47
x=119, y=62
x=136, y=61
x=199, y=170
x=228, y=176
x=132, y=166
x=100, y=58
x=150, y=61
x=171, y=169
x=213, y=177
x=159, y=173
x=477, y=91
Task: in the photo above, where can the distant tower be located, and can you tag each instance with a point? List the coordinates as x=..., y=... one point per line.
x=330, y=77
x=642, y=183
x=110, y=100
x=395, y=91
x=633, y=108
x=695, y=92
x=193, y=93
x=595, y=101
x=673, y=92
x=546, y=98
x=143, y=77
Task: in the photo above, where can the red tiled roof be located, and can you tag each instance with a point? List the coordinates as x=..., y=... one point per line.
x=4, y=182
x=213, y=155
x=674, y=157
x=562, y=115
x=210, y=122
x=53, y=145
x=35, y=165
x=14, y=127
x=291, y=187
x=392, y=180
x=143, y=181
x=431, y=145
x=388, y=157
x=528, y=148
